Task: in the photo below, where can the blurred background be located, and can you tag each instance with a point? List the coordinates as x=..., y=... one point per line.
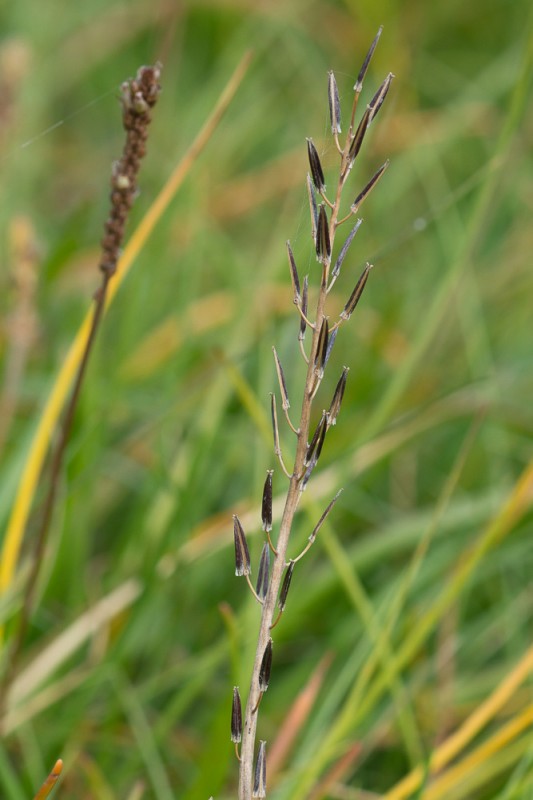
x=172, y=435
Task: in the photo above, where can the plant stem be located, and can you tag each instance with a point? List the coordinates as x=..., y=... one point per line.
x=307, y=453
x=289, y=511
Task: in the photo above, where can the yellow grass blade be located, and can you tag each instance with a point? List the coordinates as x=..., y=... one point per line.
x=475, y=722
x=457, y=775
x=32, y=469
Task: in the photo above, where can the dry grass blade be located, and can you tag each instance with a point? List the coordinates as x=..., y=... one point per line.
x=50, y=782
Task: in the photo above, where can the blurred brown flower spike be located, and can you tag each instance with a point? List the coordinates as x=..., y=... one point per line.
x=138, y=96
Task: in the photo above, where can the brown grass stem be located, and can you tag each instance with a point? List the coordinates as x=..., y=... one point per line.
x=139, y=95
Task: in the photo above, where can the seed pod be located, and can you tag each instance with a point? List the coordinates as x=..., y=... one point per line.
x=312, y=205
x=316, y=167
x=335, y=406
x=323, y=245
x=334, y=104
x=303, y=323
x=355, y=296
x=329, y=348
x=294, y=275
x=314, y=441
x=314, y=449
x=379, y=98
x=236, y=716
x=259, y=790
x=323, y=517
x=360, y=78
x=344, y=249
x=266, y=665
x=263, y=573
x=275, y=429
x=242, y=555
x=368, y=188
x=322, y=347
x=266, y=505
x=285, y=586
x=357, y=141
x=281, y=380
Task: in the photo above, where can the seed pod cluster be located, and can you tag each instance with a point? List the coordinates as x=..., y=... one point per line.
x=274, y=580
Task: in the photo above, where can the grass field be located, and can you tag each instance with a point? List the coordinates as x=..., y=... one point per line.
x=407, y=634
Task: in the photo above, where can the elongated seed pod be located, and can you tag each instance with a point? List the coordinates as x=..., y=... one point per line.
x=242, y=554
x=263, y=572
x=266, y=666
x=285, y=586
x=360, y=78
x=357, y=140
x=344, y=249
x=331, y=341
x=266, y=504
x=312, y=206
x=317, y=172
x=303, y=323
x=379, y=98
x=236, y=716
x=294, y=275
x=285, y=404
x=368, y=188
x=334, y=104
x=324, y=516
x=259, y=789
x=355, y=296
x=338, y=394
x=323, y=244
x=322, y=347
